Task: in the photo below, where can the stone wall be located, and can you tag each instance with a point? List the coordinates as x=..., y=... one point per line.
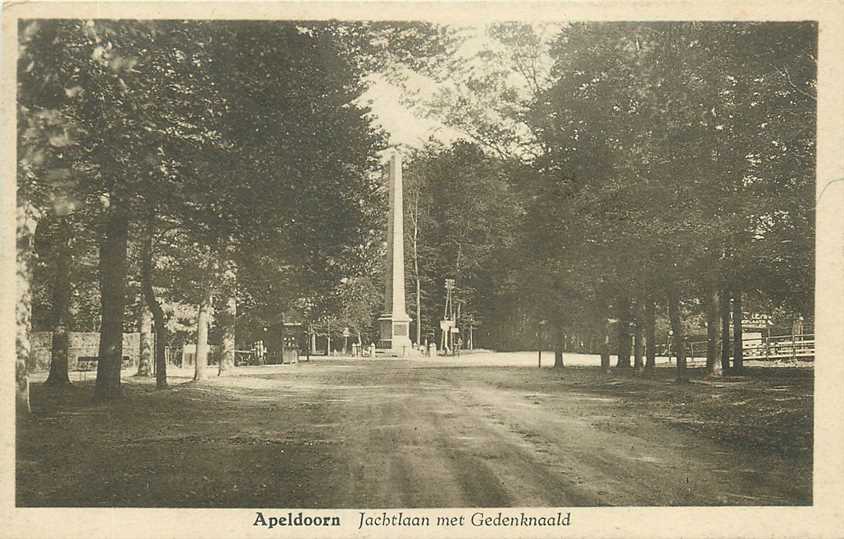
x=81, y=344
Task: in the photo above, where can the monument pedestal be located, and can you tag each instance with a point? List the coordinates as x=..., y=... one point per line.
x=394, y=335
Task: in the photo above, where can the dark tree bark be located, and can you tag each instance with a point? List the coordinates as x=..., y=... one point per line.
x=415, y=221
x=623, y=333
x=713, y=365
x=283, y=337
x=637, y=344
x=155, y=307
x=61, y=302
x=227, y=320
x=738, y=357
x=650, y=333
x=558, y=348
x=146, y=341
x=160, y=328
x=202, y=321
x=113, y=262
x=605, y=349
x=59, y=376
x=679, y=337
x=724, y=307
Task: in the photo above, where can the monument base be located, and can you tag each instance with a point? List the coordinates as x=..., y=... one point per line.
x=394, y=336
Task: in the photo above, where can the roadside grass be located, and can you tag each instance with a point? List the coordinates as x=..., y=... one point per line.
x=765, y=408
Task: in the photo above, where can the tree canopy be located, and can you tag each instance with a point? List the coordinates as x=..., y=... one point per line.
x=605, y=171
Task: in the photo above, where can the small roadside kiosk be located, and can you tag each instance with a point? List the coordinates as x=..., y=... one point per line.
x=282, y=340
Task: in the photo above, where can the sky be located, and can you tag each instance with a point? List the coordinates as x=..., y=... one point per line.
x=405, y=126
x=410, y=127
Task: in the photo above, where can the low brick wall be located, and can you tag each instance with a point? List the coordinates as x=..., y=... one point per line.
x=80, y=344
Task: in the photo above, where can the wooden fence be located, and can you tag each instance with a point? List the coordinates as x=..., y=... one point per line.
x=776, y=347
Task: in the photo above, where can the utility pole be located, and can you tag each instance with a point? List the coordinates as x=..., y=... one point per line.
x=455, y=340
x=448, y=315
x=471, y=327
x=539, y=341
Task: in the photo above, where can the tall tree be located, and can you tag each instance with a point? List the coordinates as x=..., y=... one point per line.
x=228, y=320
x=640, y=126
x=202, y=323
x=470, y=216
x=145, y=356
x=152, y=302
x=61, y=288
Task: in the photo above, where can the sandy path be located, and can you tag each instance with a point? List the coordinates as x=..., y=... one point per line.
x=385, y=433
x=426, y=437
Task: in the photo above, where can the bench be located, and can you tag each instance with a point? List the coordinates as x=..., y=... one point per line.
x=89, y=363
x=86, y=364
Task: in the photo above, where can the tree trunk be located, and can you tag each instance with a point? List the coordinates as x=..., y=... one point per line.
x=713, y=365
x=679, y=337
x=227, y=320
x=59, y=376
x=623, y=333
x=637, y=344
x=738, y=353
x=284, y=337
x=650, y=333
x=418, y=307
x=154, y=306
x=61, y=302
x=113, y=261
x=202, y=320
x=559, y=348
x=414, y=218
x=160, y=342
x=145, y=331
x=26, y=221
x=724, y=307
x=418, y=281
x=605, y=349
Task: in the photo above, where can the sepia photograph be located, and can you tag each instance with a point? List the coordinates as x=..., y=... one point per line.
x=519, y=266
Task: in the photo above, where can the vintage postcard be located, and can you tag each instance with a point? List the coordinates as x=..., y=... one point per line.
x=457, y=269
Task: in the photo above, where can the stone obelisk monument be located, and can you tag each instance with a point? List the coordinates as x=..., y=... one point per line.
x=394, y=324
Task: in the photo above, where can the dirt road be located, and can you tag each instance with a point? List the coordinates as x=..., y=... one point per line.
x=389, y=433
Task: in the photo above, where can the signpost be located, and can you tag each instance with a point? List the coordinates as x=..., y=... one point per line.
x=346, y=335
x=455, y=345
x=445, y=327
x=668, y=351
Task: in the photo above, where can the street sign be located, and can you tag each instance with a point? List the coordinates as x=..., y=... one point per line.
x=445, y=324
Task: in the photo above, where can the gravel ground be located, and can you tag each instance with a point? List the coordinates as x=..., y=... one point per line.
x=482, y=430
